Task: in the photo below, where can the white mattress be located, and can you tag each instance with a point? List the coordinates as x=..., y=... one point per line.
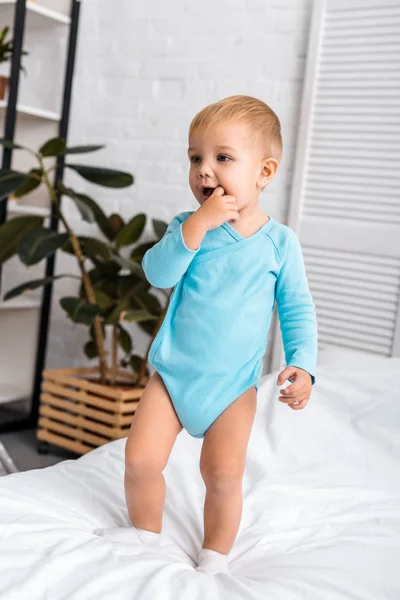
x=321, y=510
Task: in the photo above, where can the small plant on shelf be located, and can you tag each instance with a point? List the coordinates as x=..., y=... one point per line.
x=113, y=287
x=6, y=52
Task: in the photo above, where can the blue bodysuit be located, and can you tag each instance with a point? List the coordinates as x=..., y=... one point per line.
x=210, y=346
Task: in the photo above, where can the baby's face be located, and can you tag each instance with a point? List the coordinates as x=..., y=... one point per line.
x=226, y=156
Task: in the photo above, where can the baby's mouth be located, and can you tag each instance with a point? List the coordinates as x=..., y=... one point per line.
x=207, y=191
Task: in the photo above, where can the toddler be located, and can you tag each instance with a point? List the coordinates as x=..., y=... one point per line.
x=227, y=263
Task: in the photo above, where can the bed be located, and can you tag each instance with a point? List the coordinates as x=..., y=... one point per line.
x=321, y=510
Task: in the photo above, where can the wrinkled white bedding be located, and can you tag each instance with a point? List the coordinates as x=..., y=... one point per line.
x=321, y=509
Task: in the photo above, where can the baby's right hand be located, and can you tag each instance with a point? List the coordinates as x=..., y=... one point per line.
x=218, y=208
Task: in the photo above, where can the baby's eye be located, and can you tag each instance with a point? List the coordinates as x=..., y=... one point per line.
x=223, y=156
x=192, y=158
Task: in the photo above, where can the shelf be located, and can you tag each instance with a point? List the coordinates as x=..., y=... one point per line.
x=25, y=318
x=37, y=12
x=20, y=302
x=9, y=392
x=31, y=111
x=27, y=209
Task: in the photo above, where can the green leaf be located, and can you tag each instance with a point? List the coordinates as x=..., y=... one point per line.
x=82, y=205
x=4, y=32
x=139, y=315
x=30, y=184
x=124, y=340
x=160, y=227
x=91, y=247
x=11, y=232
x=90, y=349
x=81, y=149
x=10, y=144
x=147, y=326
x=39, y=243
x=115, y=316
x=53, y=147
x=102, y=176
x=103, y=300
x=126, y=284
x=31, y=285
x=109, y=287
x=95, y=275
x=148, y=301
x=116, y=223
x=79, y=310
x=128, y=264
x=139, y=251
x=132, y=231
x=101, y=219
x=108, y=269
x=103, y=282
x=10, y=181
x=135, y=363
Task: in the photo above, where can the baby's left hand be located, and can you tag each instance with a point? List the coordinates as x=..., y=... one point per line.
x=299, y=391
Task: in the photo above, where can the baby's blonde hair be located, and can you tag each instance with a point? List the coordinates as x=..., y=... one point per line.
x=263, y=122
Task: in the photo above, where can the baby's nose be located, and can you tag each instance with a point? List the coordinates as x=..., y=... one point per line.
x=205, y=170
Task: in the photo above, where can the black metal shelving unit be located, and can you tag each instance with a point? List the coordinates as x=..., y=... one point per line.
x=30, y=421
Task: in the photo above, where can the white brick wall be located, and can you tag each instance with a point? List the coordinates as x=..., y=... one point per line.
x=144, y=69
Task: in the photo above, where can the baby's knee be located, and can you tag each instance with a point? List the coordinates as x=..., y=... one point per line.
x=141, y=464
x=222, y=479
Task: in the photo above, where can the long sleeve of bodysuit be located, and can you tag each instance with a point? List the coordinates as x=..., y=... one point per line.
x=296, y=310
x=166, y=261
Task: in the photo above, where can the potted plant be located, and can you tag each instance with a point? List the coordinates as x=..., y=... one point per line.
x=6, y=51
x=113, y=291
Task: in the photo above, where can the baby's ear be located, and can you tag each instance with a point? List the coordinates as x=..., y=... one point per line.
x=268, y=170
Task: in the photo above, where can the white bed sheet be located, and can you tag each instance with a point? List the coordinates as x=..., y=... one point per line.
x=321, y=510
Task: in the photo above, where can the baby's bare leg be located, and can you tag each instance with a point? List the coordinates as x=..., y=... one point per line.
x=222, y=463
x=152, y=435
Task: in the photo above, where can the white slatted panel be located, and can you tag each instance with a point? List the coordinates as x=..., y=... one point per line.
x=357, y=96
x=356, y=298
x=345, y=204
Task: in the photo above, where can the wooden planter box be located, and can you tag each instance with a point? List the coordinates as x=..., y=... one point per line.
x=78, y=414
